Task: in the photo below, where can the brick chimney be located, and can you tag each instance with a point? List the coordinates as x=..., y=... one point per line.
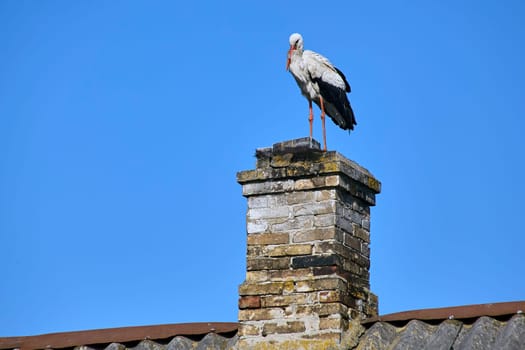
x=308, y=254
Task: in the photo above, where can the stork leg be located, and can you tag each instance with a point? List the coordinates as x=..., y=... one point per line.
x=311, y=119
x=322, y=120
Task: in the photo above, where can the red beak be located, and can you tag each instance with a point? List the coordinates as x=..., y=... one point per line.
x=289, y=59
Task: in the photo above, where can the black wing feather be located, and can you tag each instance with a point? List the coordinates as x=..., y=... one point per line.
x=347, y=86
x=341, y=113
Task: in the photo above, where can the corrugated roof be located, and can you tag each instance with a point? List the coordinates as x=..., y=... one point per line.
x=488, y=326
x=455, y=312
x=484, y=333
x=498, y=326
x=101, y=338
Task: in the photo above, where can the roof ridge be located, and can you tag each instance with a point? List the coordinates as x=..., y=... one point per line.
x=454, y=312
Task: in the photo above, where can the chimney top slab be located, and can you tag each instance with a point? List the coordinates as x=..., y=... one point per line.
x=303, y=158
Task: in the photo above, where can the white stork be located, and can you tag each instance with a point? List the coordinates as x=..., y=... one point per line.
x=322, y=83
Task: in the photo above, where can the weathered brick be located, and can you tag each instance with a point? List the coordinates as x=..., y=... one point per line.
x=322, y=309
x=256, y=188
x=374, y=184
x=369, y=310
x=246, y=175
x=344, y=224
x=330, y=283
x=290, y=146
x=332, y=180
x=262, y=163
x=255, y=264
x=325, y=338
x=268, y=238
x=295, y=223
x=316, y=234
x=330, y=165
x=352, y=242
x=324, y=195
x=261, y=314
x=256, y=226
x=285, y=300
x=365, y=249
x=331, y=247
x=360, y=206
x=290, y=250
x=267, y=200
x=349, y=255
x=319, y=181
x=357, y=258
x=358, y=281
x=254, y=250
x=333, y=322
x=281, y=160
x=365, y=223
x=324, y=220
x=277, y=200
x=358, y=292
x=330, y=296
x=325, y=270
x=299, y=197
x=288, y=287
x=297, y=170
x=355, y=217
x=248, y=329
x=354, y=268
x=275, y=221
x=257, y=276
x=303, y=184
x=315, y=260
x=361, y=233
x=261, y=288
x=314, y=208
x=351, y=277
x=249, y=302
x=268, y=213
x=295, y=274
x=365, y=274
x=287, y=327
x=352, y=188
x=258, y=202
x=331, y=270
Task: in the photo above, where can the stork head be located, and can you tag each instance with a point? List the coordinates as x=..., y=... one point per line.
x=296, y=44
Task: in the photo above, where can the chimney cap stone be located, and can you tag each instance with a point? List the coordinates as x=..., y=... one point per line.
x=303, y=158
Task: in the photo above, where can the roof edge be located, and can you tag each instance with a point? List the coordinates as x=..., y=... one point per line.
x=455, y=312
x=116, y=335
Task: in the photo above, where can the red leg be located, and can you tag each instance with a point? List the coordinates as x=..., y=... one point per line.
x=322, y=119
x=310, y=118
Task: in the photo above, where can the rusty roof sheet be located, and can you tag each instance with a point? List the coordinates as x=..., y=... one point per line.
x=488, y=326
x=161, y=333
x=456, y=312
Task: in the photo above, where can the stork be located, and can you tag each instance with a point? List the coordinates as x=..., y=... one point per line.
x=321, y=83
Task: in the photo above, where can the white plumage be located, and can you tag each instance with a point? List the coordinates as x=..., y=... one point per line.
x=321, y=82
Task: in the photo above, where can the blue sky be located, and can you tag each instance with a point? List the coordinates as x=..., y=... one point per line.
x=123, y=124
